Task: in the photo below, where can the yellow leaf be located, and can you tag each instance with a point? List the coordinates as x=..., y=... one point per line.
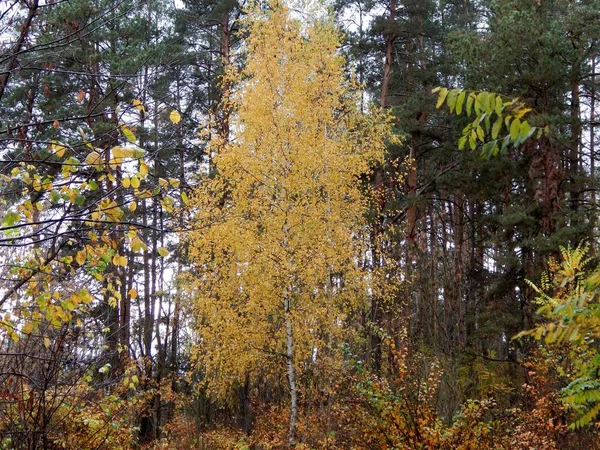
x=143, y=169
x=175, y=117
x=162, y=251
x=138, y=104
x=47, y=342
x=184, y=198
x=126, y=182
x=145, y=193
x=123, y=261
x=132, y=206
x=93, y=158
x=174, y=182
x=132, y=294
x=59, y=150
x=135, y=182
x=81, y=257
x=28, y=328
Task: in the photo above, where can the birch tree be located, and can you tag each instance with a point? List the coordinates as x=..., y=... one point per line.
x=279, y=219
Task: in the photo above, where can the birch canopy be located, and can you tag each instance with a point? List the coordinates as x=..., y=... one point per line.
x=275, y=254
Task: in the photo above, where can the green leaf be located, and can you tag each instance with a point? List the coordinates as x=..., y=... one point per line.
x=496, y=128
x=505, y=144
x=480, y=134
x=481, y=102
x=487, y=150
x=490, y=103
x=55, y=197
x=473, y=140
x=524, y=130
x=10, y=219
x=514, y=129
x=498, y=108
x=470, y=101
x=459, y=102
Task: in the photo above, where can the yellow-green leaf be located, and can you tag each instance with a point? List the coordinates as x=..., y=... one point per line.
x=128, y=134
x=137, y=245
x=459, y=102
x=143, y=169
x=93, y=158
x=496, y=128
x=515, y=125
x=175, y=117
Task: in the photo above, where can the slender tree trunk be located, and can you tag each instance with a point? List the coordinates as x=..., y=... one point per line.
x=291, y=372
x=226, y=60
x=389, y=54
x=593, y=145
x=459, y=267
x=32, y=6
x=376, y=313
x=575, y=141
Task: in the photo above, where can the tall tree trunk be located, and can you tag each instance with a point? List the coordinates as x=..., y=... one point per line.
x=389, y=54
x=593, y=145
x=291, y=372
x=575, y=112
x=32, y=7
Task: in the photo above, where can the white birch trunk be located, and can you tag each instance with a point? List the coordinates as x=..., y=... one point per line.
x=291, y=375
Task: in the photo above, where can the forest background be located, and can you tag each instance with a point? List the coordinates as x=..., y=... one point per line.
x=233, y=226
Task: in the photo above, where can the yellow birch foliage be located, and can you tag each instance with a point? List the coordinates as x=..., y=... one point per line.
x=281, y=217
